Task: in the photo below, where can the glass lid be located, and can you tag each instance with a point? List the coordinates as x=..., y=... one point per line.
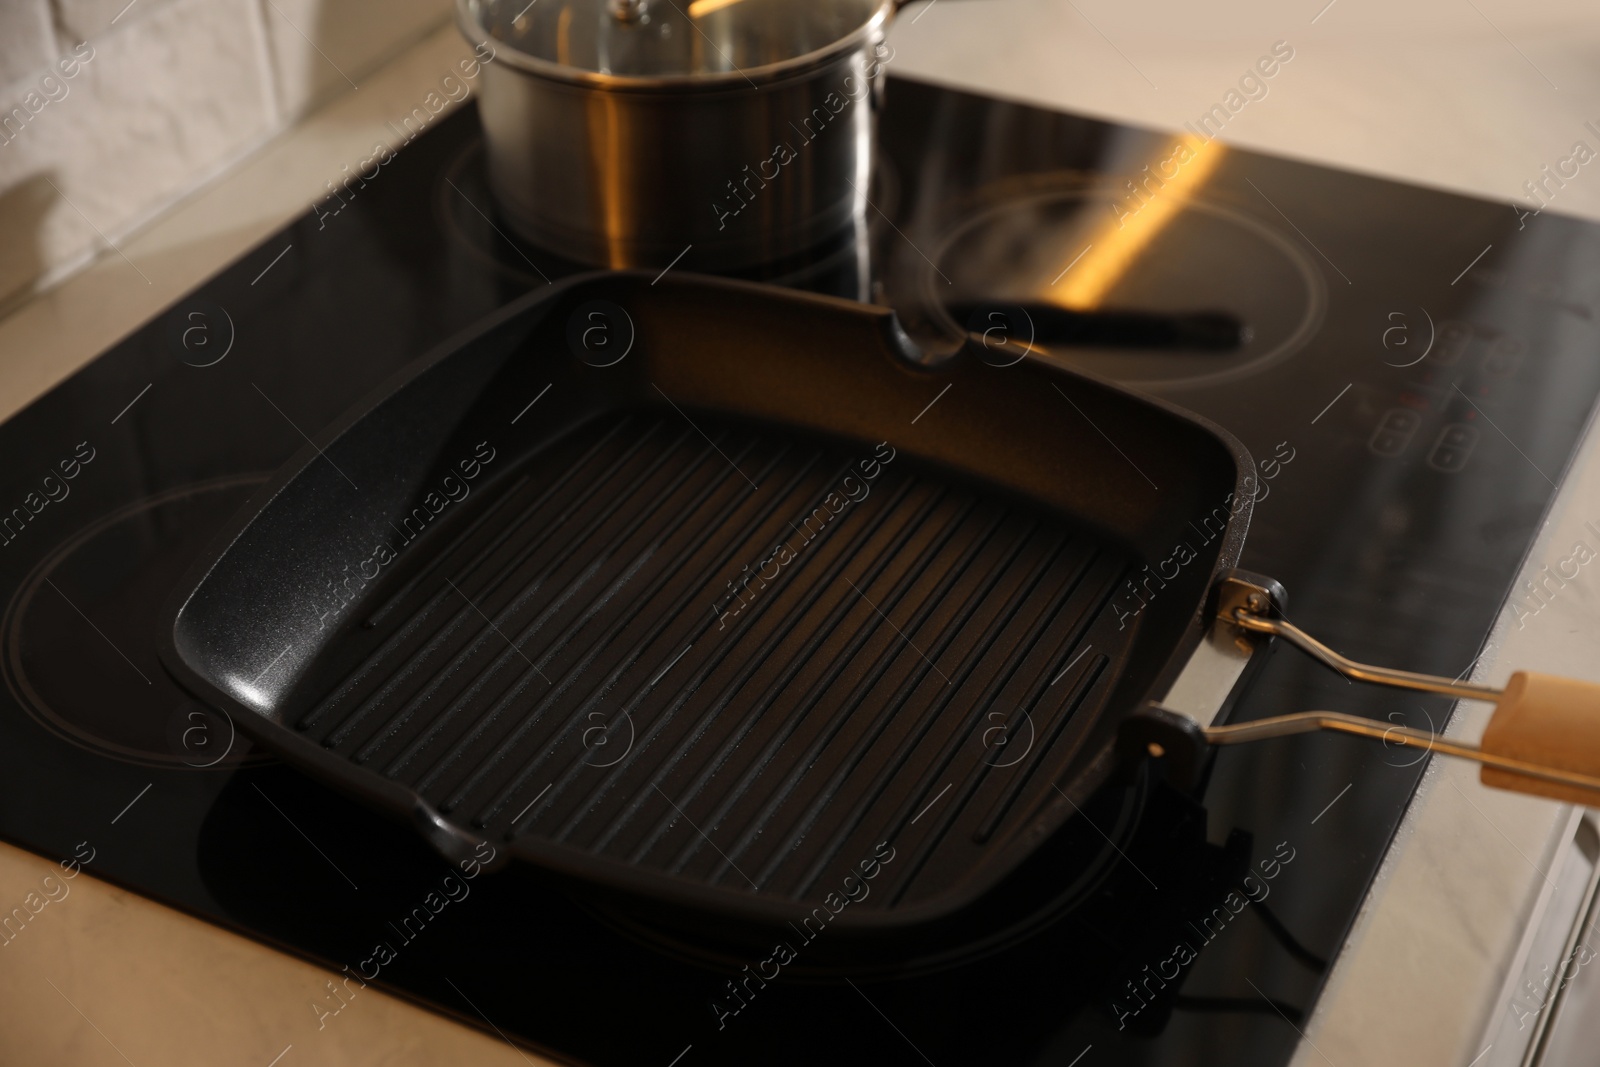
x=670, y=38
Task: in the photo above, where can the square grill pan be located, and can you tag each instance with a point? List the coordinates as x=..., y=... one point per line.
x=730, y=622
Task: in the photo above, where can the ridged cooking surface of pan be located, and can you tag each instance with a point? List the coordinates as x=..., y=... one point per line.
x=737, y=656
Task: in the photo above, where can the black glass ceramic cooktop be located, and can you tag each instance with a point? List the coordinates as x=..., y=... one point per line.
x=1411, y=369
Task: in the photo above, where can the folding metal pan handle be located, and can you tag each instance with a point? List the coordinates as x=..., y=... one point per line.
x=1543, y=739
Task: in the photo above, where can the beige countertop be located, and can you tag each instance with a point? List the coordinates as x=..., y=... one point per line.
x=1473, y=96
x=99, y=977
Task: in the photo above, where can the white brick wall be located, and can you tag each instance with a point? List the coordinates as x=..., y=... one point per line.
x=112, y=111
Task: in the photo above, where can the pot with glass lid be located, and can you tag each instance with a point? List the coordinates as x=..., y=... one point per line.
x=627, y=133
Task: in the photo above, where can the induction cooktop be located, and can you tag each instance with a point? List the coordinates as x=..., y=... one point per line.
x=1411, y=369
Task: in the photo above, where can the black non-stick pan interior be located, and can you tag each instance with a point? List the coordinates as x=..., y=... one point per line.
x=714, y=597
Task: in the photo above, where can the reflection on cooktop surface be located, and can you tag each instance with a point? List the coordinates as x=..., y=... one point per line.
x=1179, y=292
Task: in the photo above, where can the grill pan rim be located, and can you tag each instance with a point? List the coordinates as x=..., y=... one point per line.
x=607, y=875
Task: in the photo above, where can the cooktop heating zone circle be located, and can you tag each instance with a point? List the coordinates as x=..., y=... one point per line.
x=79, y=633
x=1145, y=289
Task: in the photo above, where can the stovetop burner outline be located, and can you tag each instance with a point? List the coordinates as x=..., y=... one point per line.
x=186, y=733
x=1007, y=196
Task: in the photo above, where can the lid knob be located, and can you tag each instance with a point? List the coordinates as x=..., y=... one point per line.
x=627, y=10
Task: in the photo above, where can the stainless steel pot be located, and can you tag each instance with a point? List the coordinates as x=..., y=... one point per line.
x=626, y=133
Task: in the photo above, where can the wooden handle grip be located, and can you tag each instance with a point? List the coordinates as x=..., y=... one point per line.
x=1550, y=721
